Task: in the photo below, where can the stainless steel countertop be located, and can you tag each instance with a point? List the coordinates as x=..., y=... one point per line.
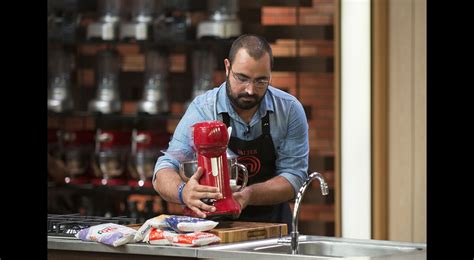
x=75, y=244
x=220, y=251
x=235, y=250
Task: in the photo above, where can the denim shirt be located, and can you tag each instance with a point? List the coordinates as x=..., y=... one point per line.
x=288, y=127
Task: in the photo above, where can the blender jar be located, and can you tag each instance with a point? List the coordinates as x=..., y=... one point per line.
x=111, y=153
x=59, y=94
x=146, y=146
x=155, y=90
x=108, y=96
x=78, y=145
x=142, y=15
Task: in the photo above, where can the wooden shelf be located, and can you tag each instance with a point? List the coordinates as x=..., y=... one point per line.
x=274, y=32
x=262, y=3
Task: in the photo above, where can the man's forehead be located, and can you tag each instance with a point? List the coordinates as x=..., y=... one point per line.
x=242, y=56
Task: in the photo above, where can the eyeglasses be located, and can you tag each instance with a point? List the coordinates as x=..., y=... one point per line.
x=259, y=84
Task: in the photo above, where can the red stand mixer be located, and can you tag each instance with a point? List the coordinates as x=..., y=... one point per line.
x=210, y=139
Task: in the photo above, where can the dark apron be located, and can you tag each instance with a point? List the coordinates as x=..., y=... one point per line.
x=259, y=157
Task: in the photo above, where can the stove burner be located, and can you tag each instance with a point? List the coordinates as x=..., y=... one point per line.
x=70, y=224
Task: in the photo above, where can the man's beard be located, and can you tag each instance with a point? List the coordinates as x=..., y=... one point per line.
x=238, y=102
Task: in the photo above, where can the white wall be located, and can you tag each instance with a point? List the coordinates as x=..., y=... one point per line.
x=355, y=119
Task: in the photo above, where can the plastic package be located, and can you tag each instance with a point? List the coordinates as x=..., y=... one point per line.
x=158, y=237
x=190, y=224
x=156, y=222
x=193, y=239
x=108, y=233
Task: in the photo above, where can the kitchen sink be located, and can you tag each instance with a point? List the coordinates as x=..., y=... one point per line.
x=337, y=249
x=325, y=248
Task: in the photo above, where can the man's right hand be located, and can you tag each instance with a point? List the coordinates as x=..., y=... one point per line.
x=193, y=192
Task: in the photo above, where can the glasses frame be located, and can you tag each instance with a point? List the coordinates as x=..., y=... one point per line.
x=259, y=84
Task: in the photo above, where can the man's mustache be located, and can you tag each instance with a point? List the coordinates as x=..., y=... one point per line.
x=247, y=95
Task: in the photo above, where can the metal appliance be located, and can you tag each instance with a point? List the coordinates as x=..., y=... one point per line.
x=107, y=99
x=62, y=26
x=111, y=149
x=142, y=16
x=210, y=139
x=223, y=22
x=146, y=146
x=204, y=64
x=155, y=90
x=173, y=22
x=107, y=27
x=78, y=146
x=59, y=93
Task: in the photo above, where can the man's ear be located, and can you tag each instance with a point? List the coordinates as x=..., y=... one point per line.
x=227, y=67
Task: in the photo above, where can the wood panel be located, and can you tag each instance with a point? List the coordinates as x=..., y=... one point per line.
x=379, y=117
x=400, y=120
x=337, y=119
x=407, y=123
x=419, y=85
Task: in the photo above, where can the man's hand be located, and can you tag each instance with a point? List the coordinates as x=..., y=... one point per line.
x=193, y=192
x=242, y=197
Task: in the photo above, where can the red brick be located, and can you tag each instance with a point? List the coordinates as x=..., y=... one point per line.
x=324, y=113
x=129, y=107
x=86, y=77
x=178, y=62
x=127, y=49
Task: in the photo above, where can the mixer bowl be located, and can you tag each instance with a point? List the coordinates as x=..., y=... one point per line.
x=188, y=168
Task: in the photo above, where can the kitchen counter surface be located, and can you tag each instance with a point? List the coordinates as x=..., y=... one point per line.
x=75, y=244
x=60, y=247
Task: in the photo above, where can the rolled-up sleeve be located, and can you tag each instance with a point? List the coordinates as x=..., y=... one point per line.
x=180, y=143
x=293, y=152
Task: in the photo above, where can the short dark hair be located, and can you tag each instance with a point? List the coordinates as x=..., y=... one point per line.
x=255, y=45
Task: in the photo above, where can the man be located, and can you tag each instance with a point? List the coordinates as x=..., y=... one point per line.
x=269, y=132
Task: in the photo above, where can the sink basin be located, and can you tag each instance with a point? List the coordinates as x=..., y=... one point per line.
x=338, y=249
x=319, y=247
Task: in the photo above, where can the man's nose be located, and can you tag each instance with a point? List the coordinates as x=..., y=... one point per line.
x=250, y=88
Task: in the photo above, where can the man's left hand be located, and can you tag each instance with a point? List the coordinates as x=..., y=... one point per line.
x=242, y=197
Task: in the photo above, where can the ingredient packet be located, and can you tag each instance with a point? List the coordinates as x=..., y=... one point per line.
x=156, y=222
x=108, y=233
x=190, y=224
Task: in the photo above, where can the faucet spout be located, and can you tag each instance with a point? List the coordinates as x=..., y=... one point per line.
x=296, y=210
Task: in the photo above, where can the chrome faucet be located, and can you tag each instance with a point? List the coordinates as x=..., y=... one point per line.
x=296, y=210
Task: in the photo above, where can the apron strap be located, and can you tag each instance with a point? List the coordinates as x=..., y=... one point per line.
x=226, y=119
x=266, y=124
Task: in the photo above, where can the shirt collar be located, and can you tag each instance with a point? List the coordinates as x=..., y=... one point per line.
x=224, y=106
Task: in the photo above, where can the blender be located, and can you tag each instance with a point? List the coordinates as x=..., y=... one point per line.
x=142, y=16
x=59, y=92
x=204, y=64
x=173, y=22
x=111, y=148
x=78, y=145
x=223, y=22
x=107, y=99
x=107, y=26
x=155, y=91
x=146, y=146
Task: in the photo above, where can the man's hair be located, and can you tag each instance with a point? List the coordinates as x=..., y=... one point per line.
x=256, y=46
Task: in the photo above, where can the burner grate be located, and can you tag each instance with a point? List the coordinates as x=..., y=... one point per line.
x=70, y=224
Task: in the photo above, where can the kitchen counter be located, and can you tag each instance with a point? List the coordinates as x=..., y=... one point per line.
x=65, y=247
x=73, y=248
